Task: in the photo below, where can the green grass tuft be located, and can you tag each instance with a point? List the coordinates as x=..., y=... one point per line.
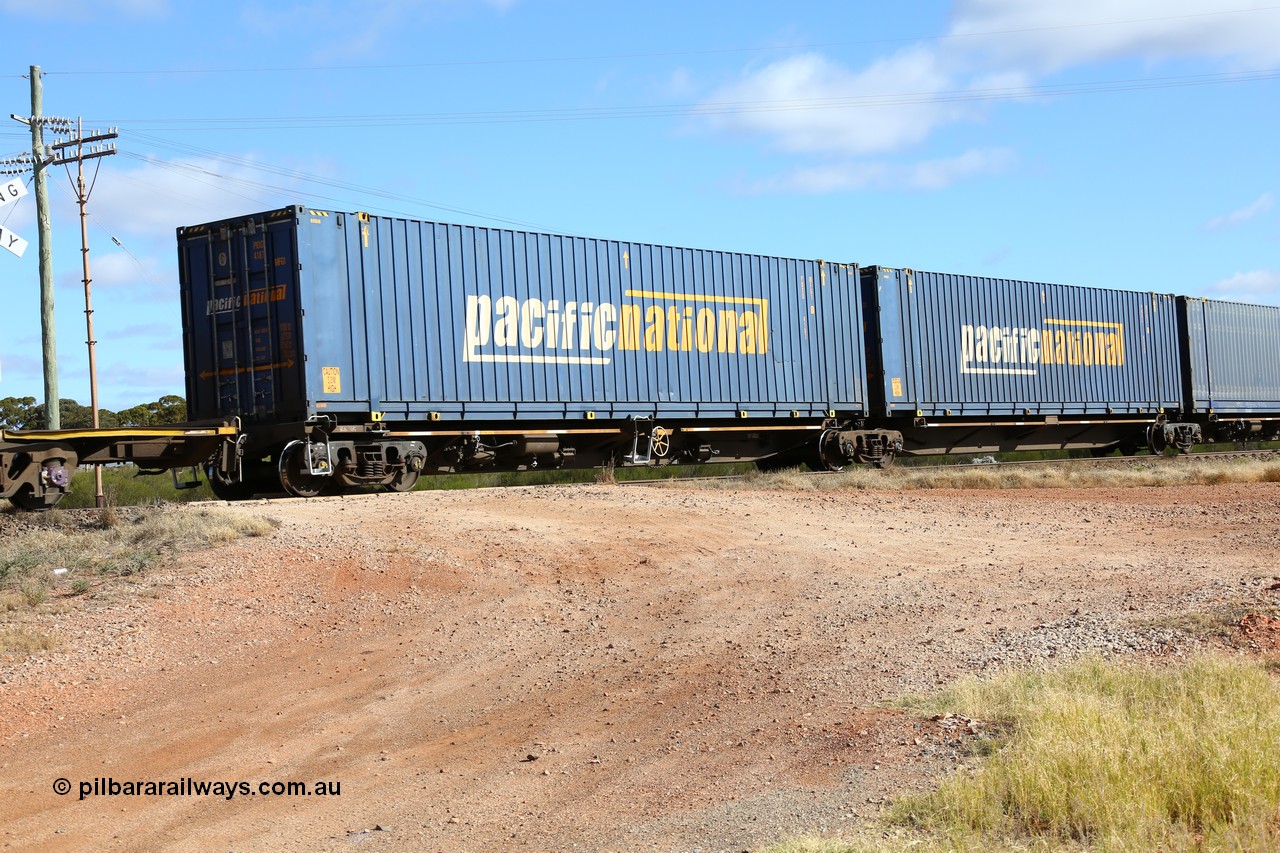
x=1119, y=756
x=1100, y=756
x=122, y=485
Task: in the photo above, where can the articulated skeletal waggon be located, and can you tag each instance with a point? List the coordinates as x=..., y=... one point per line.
x=328, y=351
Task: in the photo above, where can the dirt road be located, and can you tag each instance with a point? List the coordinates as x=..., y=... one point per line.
x=593, y=667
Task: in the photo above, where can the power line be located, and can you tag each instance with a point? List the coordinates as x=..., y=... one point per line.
x=711, y=108
x=203, y=173
x=665, y=54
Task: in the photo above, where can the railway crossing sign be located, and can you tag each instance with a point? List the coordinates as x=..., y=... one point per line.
x=12, y=242
x=12, y=191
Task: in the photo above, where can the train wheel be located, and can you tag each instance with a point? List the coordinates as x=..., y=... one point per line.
x=229, y=491
x=403, y=482
x=827, y=456
x=885, y=460
x=256, y=477
x=295, y=476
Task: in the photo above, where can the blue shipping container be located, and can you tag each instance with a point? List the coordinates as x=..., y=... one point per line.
x=297, y=312
x=1231, y=356
x=966, y=345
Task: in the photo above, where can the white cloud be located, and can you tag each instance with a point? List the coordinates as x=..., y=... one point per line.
x=1253, y=286
x=858, y=175
x=117, y=274
x=339, y=36
x=938, y=174
x=20, y=375
x=158, y=196
x=810, y=104
x=126, y=383
x=1045, y=37
x=1259, y=206
x=164, y=332
x=20, y=216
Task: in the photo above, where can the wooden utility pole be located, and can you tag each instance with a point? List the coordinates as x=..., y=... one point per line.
x=82, y=198
x=37, y=122
x=52, y=407
x=38, y=163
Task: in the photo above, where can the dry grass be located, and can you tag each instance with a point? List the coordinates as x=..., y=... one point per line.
x=1106, y=756
x=1183, y=473
x=21, y=640
x=66, y=552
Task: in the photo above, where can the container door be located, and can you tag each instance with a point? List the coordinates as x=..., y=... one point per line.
x=241, y=306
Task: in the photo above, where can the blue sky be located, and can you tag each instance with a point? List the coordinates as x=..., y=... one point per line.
x=1116, y=143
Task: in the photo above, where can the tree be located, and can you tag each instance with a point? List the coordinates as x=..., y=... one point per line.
x=23, y=413
x=168, y=409
x=74, y=415
x=17, y=413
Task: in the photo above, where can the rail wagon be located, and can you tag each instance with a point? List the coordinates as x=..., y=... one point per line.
x=357, y=350
x=1231, y=367
x=327, y=351
x=963, y=363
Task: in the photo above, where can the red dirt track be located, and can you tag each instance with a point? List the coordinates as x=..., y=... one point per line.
x=594, y=666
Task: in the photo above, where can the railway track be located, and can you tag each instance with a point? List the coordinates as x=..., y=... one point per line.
x=1145, y=461
x=1121, y=461
x=1092, y=462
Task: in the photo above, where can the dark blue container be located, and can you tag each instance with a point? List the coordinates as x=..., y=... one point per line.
x=956, y=345
x=297, y=312
x=1231, y=356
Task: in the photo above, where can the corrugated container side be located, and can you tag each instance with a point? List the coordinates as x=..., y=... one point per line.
x=1231, y=356
x=957, y=345
x=421, y=319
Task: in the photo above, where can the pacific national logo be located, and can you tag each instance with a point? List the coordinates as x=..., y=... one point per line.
x=223, y=304
x=1021, y=351
x=550, y=331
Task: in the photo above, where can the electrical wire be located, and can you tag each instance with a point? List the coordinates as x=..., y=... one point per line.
x=664, y=54
x=203, y=174
x=13, y=207
x=712, y=108
x=103, y=228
